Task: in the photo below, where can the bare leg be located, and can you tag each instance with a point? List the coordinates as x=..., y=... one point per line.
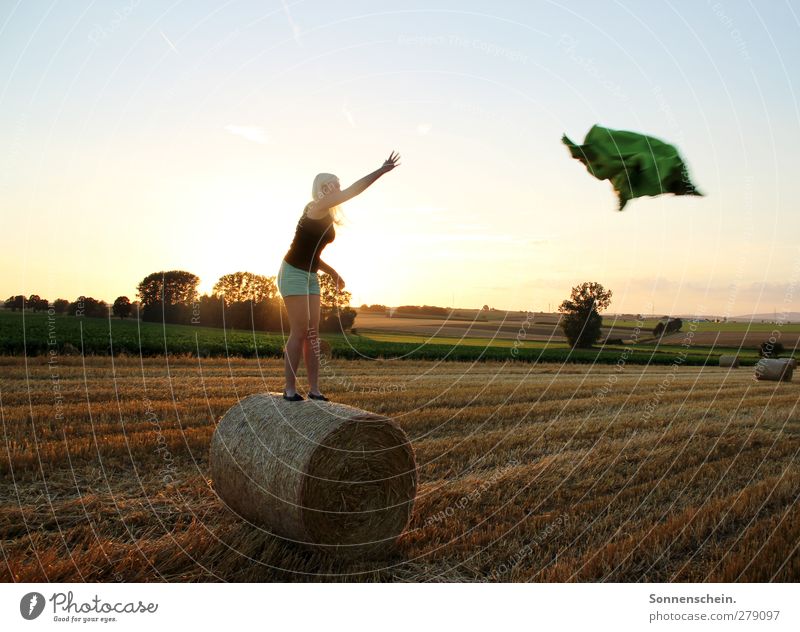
x=297, y=308
x=311, y=344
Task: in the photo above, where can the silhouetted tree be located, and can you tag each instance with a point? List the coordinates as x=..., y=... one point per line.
x=265, y=315
x=372, y=308
x=270, y=315
x=428, y=310
x=15, y=302
x=168, y=296
x=209, y=311
x=668, y=326
x=337, y=319
x=122, y=307
x=245, y=286
x=60, y=305
x=240, y=315
x=37, y=303
x=771, y=349
x=336, y=315
x=581, y=320
x=673, y=325
x=330, y=296
x=88, y=307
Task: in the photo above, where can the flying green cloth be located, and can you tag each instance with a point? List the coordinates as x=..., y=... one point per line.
x=635, y=164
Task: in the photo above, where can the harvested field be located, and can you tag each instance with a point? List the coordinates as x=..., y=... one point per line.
x=545, y=328
x=744, y=339
x=539, y=327
x=527, y=472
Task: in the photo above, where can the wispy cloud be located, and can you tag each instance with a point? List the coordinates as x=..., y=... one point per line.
x=169, y=42
x=292, y=23
x=251, y=133
x=348, y=114
x=424, y=128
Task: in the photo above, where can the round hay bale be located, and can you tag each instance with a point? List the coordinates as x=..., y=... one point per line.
x=793, y=362
x=729, y=361
x=324, y=474
x=774, y=369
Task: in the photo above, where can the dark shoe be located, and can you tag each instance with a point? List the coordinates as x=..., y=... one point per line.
x=297, y=397
x=320, y=397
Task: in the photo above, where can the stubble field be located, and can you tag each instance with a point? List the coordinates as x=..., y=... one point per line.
x=527, y=472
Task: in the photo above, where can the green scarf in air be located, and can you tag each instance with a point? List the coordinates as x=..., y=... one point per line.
x=635, y=164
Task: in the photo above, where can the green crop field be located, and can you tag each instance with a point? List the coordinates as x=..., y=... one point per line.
x=755, y=326
x=37, y=334
x=505, y=343
x=695, y=354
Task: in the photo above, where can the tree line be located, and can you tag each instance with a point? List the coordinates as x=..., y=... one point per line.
x=82, y=306
x=241, y=300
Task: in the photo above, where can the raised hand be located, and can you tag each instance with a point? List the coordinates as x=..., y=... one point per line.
x=391, y=162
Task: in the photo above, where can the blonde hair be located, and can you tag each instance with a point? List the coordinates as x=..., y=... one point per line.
x=320, y=180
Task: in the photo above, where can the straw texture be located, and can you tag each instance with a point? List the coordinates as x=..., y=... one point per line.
x=320, y=473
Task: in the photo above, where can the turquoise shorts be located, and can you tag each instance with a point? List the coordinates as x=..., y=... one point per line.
x=294, y=281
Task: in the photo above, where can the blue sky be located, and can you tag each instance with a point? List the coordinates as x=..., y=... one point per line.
x=143, y=136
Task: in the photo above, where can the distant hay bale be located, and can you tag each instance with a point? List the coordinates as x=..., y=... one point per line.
x=774, y=369
x=729, y=361
x=325, y=474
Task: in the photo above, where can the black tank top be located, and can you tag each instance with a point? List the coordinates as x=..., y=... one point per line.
x=310, y=237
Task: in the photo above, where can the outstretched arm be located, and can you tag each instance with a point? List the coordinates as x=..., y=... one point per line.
x=338, y=197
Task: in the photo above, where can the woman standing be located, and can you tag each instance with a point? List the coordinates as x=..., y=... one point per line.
x=297, y=278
